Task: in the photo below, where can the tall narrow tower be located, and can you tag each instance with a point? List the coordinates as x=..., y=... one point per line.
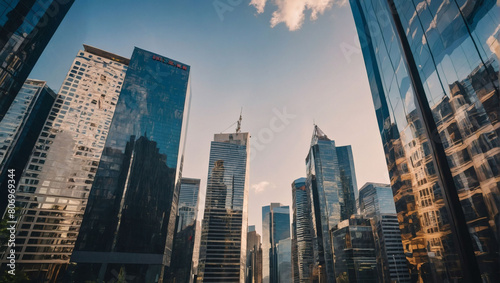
x=224, y=233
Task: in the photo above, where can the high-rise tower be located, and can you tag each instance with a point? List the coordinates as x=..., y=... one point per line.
x=224, y=233
x=433, y=69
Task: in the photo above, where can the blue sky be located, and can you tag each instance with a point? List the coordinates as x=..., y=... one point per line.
x=238, y=60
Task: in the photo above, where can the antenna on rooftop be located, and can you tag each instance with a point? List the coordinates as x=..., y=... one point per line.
x=238, y=127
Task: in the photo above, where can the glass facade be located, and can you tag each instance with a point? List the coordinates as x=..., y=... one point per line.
x=54, y=187
x=284, y=260
x=377, y=203
x=224, y=233
x=19, y=130
x=182, y=266
x=129, y=223
x=26, y=26
x=275, y=227
x=354, y=249
x=331, y=182
x=433, y=69
x=302, y=238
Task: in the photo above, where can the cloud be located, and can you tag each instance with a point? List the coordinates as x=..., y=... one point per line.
x=262, y=187
x=292, y=12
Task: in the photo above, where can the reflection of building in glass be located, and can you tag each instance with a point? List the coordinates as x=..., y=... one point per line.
x=25, y=29
x=129, y=224
x=377, y=203
x=331, y=183
x=433, y=69
x=284, y=260
x=224, y=230
x=182, y=266
x=354, y=251
x=302, y=239
x=254, y=257
x=275, y=227
x=55, y=184
x=19, y=130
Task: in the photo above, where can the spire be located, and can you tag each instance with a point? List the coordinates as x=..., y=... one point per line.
x=238, y=127
x=318, y=134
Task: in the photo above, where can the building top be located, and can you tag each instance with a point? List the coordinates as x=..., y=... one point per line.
x=106, y=54
x=193, y=181
x=368, y=184
x=234, y=138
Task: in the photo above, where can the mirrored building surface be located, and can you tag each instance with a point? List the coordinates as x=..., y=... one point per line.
x=433, y=69
x=377, y=204
x=254, y=256
x=275, y=227
x=302, y=237
x=331, y=182
x=129, y=223
x=284, y=260
x=26, y=26
x=354, y=251
x=20, y=129
x=54, y=187
x=224, y=230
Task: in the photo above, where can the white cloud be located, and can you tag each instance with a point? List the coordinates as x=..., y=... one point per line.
x=263, y=186
x=292, y=12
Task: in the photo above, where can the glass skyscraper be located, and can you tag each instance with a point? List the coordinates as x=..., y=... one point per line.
x=26, y=26
x=354, y=250
x=284, y=260
x=275, y=227
x=331, y=181
x=224, y=233
x=377, y=203
x=433, y=69
x=302, y=238
x=254, y=256
x=19, y=130
x=129, y=223
x=182, y=266
x=54, y=187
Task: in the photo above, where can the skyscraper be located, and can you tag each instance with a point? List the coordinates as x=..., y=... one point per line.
x=302, y=238
x=377, y=203
x=129, y=223
x=254, y=256
x=182, y=266
x=19, y=130
x=354, y=251
x=433, y=72
x=25, y=29
x=284, y=260
x=224, y=233
x=275, y=227
x=331, y=182
x=55, y=184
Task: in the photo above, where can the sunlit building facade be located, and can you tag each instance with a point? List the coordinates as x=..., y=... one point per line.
x=19, y=130
x=433, y=69
x=354, y=251
x=377, y=204
x=275, y=227
x=54, y=187
x=129, y=223
x=331, y=183
x=224, y=229
x=25, y=29
x=302, y=239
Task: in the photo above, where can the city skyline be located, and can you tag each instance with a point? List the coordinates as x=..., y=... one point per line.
x=254, y=81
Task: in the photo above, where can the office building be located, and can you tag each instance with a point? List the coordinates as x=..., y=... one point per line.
x=19, y=130
x=129, y=223
x=182, y=265
x=377, y=204
x=25, y=29
x=354, y=251
x=302, y=237
x=331, y=182
x=433, y=73
x=275, y=227
x=254, y=256
x=224, y=233
x=284, y=260
x=54, y=187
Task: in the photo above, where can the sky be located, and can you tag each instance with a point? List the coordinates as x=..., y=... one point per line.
x=287, y=63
